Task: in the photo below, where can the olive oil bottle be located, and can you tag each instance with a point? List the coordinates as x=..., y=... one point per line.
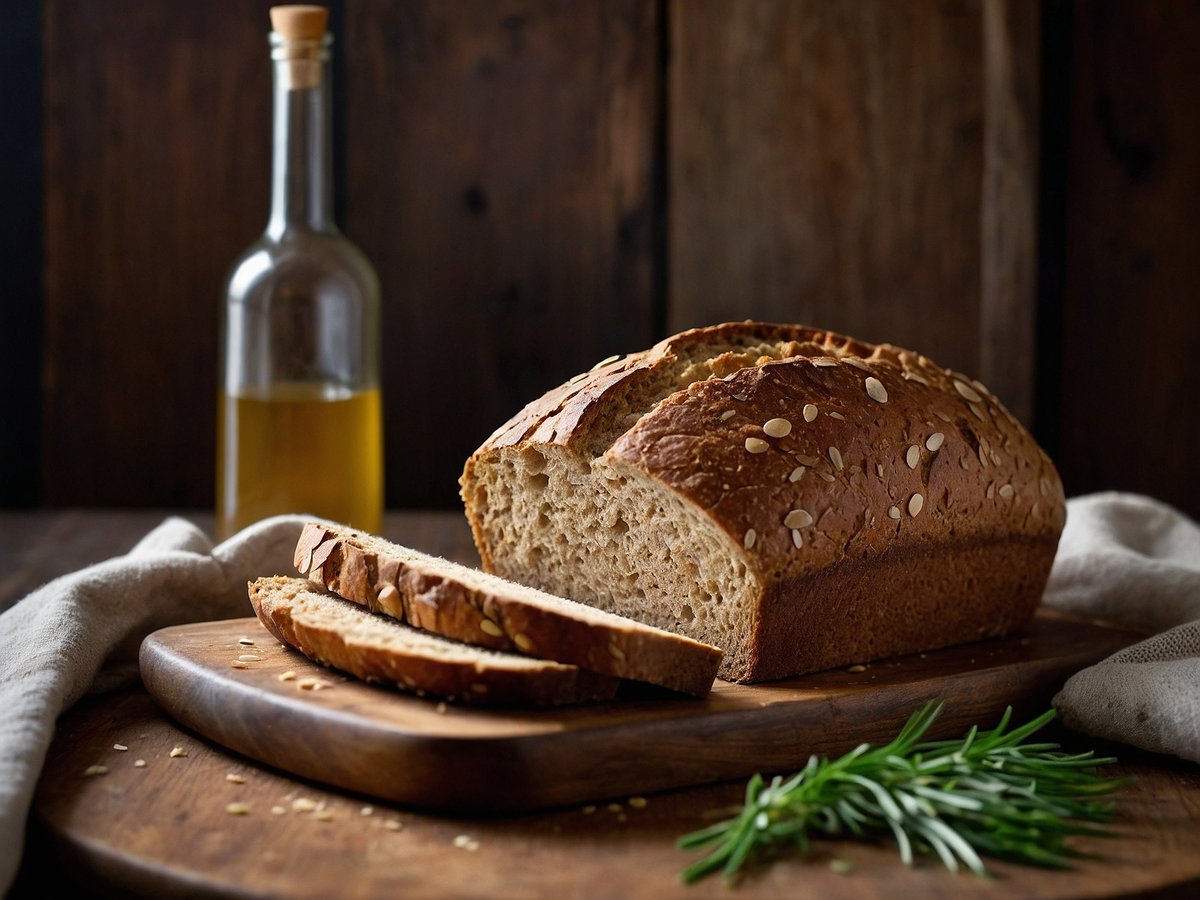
x=299, y=412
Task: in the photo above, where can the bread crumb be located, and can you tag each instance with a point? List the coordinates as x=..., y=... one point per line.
x=177, y=751
x=237, y=809
x=91, y=771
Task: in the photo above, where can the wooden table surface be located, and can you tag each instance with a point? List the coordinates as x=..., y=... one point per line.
x=113, y=837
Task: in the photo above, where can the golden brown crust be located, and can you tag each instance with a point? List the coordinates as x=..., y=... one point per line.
x=876, y=461
x=505, y=620
x=470, y=677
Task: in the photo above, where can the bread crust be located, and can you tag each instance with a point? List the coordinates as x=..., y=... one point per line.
x=501, y=617
x=330, y=638
x=900, y=468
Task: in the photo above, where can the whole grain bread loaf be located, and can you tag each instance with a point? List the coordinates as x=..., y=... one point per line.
x=338, y=633
x=477, y=608
x=798, y=498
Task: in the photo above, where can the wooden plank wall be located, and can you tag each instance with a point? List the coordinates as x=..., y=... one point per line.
x=541, y=184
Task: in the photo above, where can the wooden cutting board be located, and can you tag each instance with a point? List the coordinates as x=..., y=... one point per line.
x=382, y=743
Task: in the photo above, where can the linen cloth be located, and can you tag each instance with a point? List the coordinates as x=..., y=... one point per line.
x=82, y=631
x=1135, y=561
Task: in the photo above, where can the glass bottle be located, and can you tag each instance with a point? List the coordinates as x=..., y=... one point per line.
x=299, y=419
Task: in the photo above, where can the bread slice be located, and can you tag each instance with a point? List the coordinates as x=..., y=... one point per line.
x=337, y=633
x=798, y=498
x=471, y=606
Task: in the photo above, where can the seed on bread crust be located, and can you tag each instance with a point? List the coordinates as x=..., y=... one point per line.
x=915, y=504
x=810, y=412
x=757, y=445
x=798, y=518
x=777, y=428
x=875, y=389
x=934, y=442
x=913, y=456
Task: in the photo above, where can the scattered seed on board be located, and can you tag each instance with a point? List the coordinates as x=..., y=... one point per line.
x=757, y=445
x=245, y=641
x=875, y=389
x=934, y=442
x=798, y=518
x=139, y=764
x=588, y=810
x=466, y=842
x=286, y=676
x=177, y=751
x=750, y=538
x=303, y=804
x=323, y=815
x=234, y=778
x=810, y=412
x=392, y=824
x=914, y=504
x=250, y=657
x=637, y=802
x=237, y=809
x=92, y=771
x=913, y=456
x=857, y=668
x=367, y=811
x=278, y=810
x=238, y=664
x=614, y=807
x=120, y=747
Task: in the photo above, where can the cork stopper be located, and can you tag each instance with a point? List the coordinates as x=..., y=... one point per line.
x=299, y=38
x=300, y=22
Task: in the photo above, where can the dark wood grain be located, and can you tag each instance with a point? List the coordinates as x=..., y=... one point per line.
x=1008, y=215
x=380, y=742
x=826, y=166
x=156, y=173
x=1131, y=328
x=500, y=176
x=163, y=830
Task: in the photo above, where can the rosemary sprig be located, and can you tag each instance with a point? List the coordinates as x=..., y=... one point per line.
x=988, y=793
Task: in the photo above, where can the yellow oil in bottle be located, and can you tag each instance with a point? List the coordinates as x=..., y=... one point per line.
x=300, y=448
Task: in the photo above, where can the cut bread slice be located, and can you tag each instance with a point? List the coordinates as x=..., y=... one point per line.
x=477, y=608
x=337, y=633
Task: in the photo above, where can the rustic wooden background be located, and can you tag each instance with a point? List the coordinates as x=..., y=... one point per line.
x=1009, y=186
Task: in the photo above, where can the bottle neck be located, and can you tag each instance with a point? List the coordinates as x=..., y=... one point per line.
x=301, y=182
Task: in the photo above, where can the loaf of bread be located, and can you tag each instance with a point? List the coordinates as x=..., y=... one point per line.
x=798, y=498
x=337, y=633
x=477, y=608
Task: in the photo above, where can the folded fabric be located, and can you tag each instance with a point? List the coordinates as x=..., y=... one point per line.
x=54, y=643
x=1135, y=561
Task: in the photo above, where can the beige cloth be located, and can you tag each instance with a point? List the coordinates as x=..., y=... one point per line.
x=1135, y=561
x=81, y=632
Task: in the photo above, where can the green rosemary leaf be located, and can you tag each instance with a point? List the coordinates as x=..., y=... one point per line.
x=988, y=793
